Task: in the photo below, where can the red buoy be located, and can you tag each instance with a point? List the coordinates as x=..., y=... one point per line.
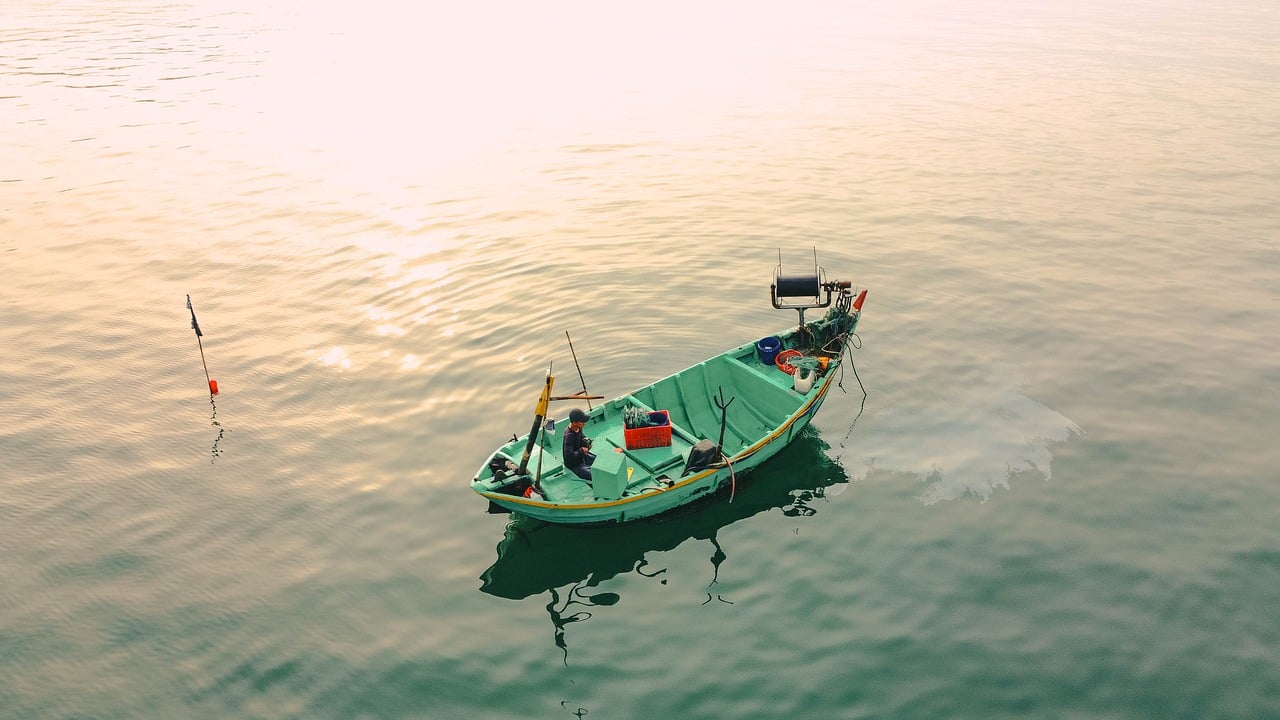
x=213, y=387
x=862, y=296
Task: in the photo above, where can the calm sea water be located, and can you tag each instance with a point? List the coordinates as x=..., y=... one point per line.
x=1059, y=499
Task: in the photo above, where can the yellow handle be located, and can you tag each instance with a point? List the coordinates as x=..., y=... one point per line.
x=544, y=402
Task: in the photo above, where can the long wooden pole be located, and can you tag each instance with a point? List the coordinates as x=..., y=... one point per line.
x=575, y=364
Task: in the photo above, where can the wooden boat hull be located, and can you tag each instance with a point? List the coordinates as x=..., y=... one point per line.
x=766, y=409
x=683, y=492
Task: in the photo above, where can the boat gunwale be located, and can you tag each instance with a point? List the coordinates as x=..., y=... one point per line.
x=739, y=456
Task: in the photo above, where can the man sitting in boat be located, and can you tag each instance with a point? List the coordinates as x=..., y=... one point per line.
x=577, y=455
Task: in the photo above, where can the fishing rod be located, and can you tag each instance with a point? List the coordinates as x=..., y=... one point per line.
x=585, y=393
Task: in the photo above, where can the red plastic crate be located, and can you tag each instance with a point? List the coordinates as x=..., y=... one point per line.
x=649, y=437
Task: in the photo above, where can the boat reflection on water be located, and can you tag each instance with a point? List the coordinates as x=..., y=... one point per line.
x=535, y=557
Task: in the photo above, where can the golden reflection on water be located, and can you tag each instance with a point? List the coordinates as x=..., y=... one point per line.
x=377, y=111
x=369, y=97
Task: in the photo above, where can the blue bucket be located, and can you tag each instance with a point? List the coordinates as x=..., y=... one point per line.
x=767, y=349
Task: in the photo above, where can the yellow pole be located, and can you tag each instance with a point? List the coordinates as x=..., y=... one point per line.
x=539, y=414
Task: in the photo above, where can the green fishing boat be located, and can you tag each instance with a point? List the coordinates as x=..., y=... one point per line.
x=687, y=435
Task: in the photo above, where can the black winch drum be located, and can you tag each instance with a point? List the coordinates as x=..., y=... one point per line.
x=797, y=286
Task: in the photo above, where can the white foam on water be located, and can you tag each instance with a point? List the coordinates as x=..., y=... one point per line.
x=967, y=440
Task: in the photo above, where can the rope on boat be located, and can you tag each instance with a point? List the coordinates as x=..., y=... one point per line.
x=733, y=477
x=854, y=367
x=847, y=348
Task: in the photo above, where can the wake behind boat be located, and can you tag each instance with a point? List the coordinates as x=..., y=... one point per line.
x=689, y=434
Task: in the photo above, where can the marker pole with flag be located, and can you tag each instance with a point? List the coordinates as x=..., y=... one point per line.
x=213, y=384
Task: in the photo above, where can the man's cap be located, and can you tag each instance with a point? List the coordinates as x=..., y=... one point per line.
x=576, y=415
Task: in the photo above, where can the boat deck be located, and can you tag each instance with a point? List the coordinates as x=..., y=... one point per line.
x=762, y=399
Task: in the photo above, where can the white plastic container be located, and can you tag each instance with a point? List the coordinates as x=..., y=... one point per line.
x=803, y=384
